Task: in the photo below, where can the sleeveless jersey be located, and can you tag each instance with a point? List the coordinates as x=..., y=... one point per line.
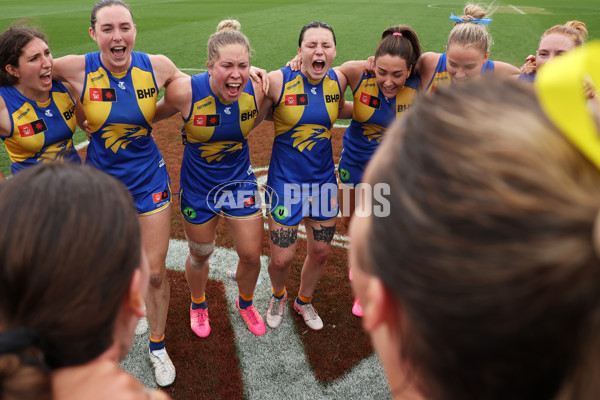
x=40, y=132
x=217, y=132
x=373, y=113
x=304, y=116
x=119, y=109
x=528, y=77
x=441, y=77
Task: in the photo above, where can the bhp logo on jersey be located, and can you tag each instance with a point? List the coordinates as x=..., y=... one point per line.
x=32, y=128
x=145, y=93
x=69, y=113
x=99, y=94
x=332, y=98
x=402, y=107
x=230, y=196
x=207, y=120
x=248, y=115
x=371, y=101
x=296, y=99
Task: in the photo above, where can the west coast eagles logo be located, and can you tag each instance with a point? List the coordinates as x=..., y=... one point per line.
x=372, y=132
x=118, y=136
x=307, y=135
x=54, y=152
x=215, y=151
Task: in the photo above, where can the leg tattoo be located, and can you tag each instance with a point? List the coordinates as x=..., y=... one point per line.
x=325, y=234
x=284, y=237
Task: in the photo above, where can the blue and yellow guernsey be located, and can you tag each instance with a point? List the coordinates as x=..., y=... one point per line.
x=372, y=114
x=217, y=138
x=304, y=116
x=441, y=76
x=40, y=132
x=119, y=109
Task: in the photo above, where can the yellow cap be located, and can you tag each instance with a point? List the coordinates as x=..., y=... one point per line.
x=561, y=88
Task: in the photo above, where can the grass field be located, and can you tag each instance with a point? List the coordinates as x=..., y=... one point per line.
x=180, y=29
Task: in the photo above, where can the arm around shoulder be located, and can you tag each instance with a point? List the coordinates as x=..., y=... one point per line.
x=343, y=81
x=260, y=96
x=69, y=69
x=275, y=85
x=165, y=70
x=353, y=72
x=177, y=98
x=275, y=79
x=502, y=69
x=5, y=119
x=426, y=67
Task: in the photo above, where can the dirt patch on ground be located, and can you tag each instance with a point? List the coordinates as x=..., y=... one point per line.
x=332, y=351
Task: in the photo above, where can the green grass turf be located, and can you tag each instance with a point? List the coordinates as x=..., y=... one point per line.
x=180, y=29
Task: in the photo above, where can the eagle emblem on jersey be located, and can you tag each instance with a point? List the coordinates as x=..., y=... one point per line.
x=118, y=136
x=372, y=132
x=215, y=151
x=307, y=135
x=54, y=152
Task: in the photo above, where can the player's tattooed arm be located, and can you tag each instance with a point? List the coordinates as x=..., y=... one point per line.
x=284, y=237
x=325, y=234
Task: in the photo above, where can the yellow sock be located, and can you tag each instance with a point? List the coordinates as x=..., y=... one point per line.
x=200, y=300
x=304, y=299
x=280, y=294
x=245, y=297
x=157, y=340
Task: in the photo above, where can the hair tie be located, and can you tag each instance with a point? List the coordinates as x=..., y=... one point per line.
x=15, y=340
x=397, y=34
x=482, y=21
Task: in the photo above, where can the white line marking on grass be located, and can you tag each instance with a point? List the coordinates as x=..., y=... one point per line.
x=82, y=145
x=516, y=9
x=434, y=5
x=273, y=363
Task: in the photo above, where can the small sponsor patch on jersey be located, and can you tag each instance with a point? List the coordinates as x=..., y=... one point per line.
x=160, y=196
x=344, y=175
x=100, y=94
x=250, y=201
x=32, y=128
x=296, y=99
x=371, y=101
x=190, y=212
x=281, y=212
x=207, y=120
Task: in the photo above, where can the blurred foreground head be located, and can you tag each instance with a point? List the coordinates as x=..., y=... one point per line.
x=484, y=280
x=69, y=245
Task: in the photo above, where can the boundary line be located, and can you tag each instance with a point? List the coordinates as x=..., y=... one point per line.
x=82, y=145
x=517, y=10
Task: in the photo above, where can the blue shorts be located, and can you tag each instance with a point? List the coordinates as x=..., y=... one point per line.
x=234, y=199
x=350, y=172
x=315, y=202
x=156, y=197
